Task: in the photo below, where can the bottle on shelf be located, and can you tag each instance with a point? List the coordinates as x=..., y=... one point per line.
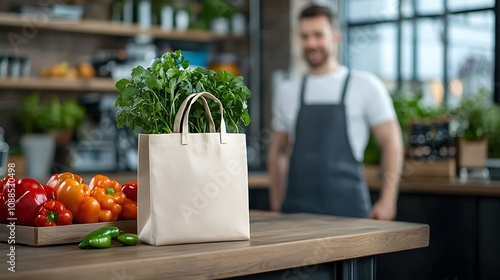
x=25, y=67
x=238, y=24
x=167, y=17
x=116, y=11
x=128, y=11
x=4, y=66
x=181, y=20
x=144, y=14
x=15, y=67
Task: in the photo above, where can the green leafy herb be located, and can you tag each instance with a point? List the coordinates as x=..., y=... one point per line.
x=151, y=98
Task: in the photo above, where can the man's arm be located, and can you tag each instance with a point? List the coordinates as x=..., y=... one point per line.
x=388, y=136
x=277, y=164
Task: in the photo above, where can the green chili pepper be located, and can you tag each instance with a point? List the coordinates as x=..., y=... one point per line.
x=100, y=241
x=128, y=239
x=112, y=231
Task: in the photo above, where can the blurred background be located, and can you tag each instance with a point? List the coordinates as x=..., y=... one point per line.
x=60, y=59
x=436, y=52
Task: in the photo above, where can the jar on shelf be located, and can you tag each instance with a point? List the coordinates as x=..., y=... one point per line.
x=128, y=11
x=145, y=14
x=4, y=66
x=167, y=17
x=238, y=24
x=181, y=20
x=227, y=62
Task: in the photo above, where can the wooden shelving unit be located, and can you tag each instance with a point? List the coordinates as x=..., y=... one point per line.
x=59, y=84
x=101, y=27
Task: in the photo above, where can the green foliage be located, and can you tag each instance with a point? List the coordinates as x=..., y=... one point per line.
x=217, y=8
x=38, y=117
x=473, y=116
x=33, y=117
x=67, y=115
x=151, y=99
x=408, y=107
x=494, y=133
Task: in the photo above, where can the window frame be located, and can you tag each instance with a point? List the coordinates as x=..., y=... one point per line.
x=413, y=19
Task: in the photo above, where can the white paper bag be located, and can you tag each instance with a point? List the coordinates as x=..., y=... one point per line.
x=192, y=187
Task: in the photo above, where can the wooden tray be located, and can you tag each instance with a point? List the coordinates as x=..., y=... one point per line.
x=42, y=236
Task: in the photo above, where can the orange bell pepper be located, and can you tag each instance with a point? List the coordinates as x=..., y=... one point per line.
x=129, y=210
x=76, y=198
x=57, y=179
x=109, y=195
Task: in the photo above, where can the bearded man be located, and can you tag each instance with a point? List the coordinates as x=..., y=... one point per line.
x=321, y=126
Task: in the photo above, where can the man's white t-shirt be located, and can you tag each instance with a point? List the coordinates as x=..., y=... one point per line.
x=367, y=103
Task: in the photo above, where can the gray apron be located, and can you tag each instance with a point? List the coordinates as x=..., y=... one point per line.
x=324, y=177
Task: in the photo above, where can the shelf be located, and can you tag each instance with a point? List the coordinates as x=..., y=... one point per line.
x=60, y=84
x=102, y=27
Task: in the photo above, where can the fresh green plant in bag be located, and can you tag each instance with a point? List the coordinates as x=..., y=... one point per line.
x=153, y=95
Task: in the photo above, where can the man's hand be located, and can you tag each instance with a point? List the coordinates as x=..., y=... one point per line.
x=383, y=210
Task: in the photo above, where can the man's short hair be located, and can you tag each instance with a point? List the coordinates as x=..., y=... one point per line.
x=314, y=10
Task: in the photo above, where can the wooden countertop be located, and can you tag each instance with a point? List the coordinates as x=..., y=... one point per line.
x=277, y=242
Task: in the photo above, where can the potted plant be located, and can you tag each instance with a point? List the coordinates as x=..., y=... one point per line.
x=37, y=143
x=150, y=100
x=216, y=14
x=65, y=118
x=46, y=125
x=409, y=110
x=473, y=120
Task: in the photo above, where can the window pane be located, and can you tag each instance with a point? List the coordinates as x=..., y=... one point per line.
x=407, y=50
x=468, y=4
x=471, y=62
x=430, y=55
x=407, y=8
x=430, y=6
x=373, y=48
x=373, y=10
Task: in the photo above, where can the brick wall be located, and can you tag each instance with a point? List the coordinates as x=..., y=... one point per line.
x=275, y=22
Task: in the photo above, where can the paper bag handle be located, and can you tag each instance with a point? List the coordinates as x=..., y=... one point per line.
x=182, y=109
x=185, y=128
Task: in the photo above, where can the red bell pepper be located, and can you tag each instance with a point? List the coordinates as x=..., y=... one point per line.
x=51, y=193
x=20, y=186
x=130, y=190
x=25, y=195
x=8, y=196
x=53, y=213
x=129, y=210
x=3, y=214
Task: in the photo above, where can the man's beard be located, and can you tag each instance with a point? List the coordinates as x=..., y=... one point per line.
x=316, y=62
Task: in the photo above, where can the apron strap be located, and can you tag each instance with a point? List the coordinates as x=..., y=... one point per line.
x=303, y=89
x=344, y=90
